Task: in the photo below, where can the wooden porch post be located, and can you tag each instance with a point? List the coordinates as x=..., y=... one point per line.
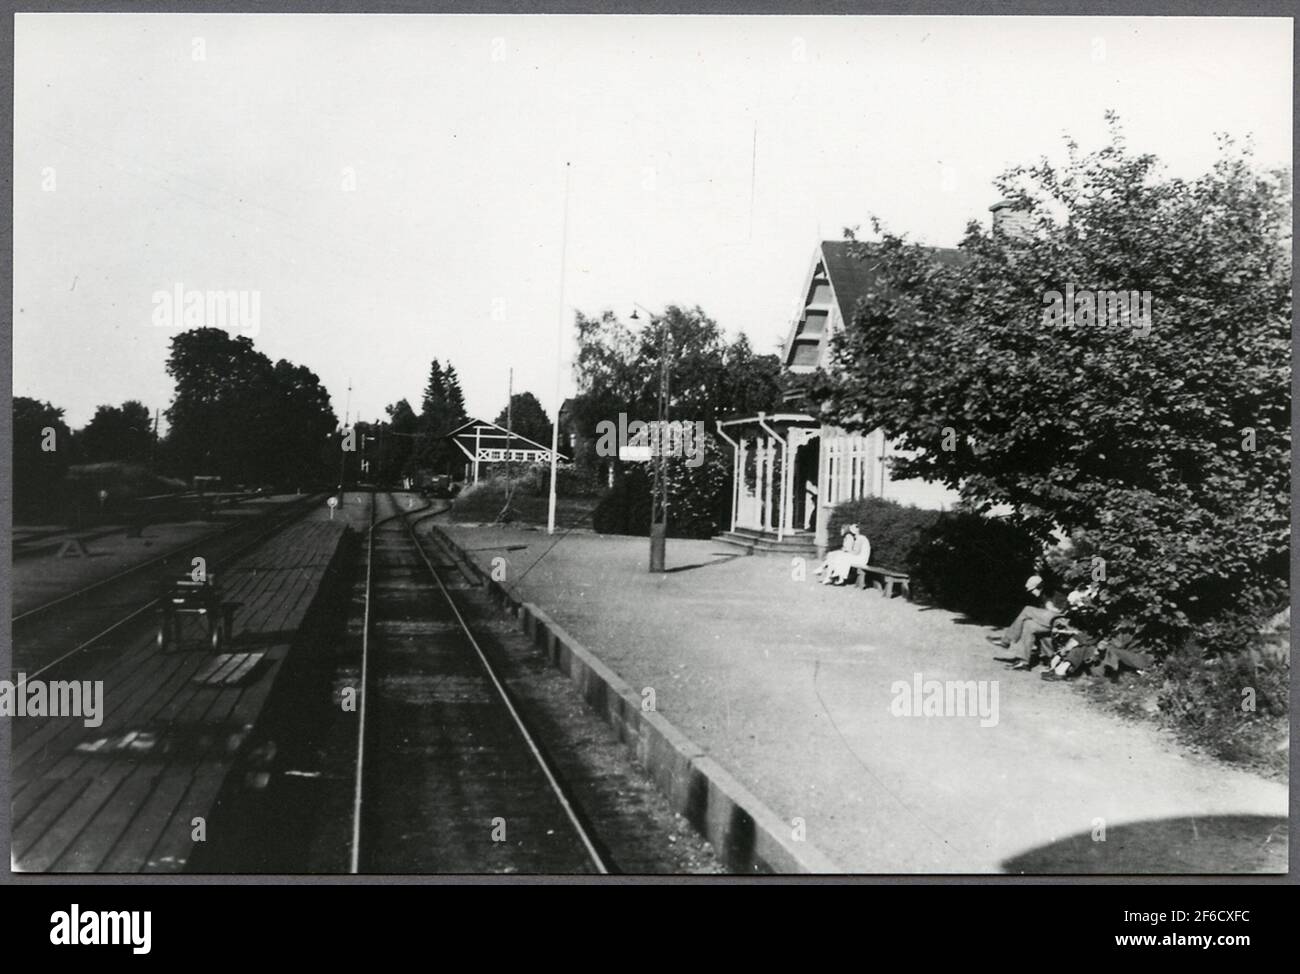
x=823, y=491
x=743, y=488
x=737, y=460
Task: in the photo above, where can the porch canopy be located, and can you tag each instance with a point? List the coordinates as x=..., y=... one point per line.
x=789, y=471
x=767, y=455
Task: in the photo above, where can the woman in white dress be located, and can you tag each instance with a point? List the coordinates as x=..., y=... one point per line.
x=855, y=552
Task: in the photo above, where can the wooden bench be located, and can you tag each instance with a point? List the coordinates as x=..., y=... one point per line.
x=888, y=579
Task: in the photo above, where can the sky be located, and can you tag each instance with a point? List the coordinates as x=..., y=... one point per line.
x=384, y=190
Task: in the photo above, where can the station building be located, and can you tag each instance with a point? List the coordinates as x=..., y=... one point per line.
x=789, y=469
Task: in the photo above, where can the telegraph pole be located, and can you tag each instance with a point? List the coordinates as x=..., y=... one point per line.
x=659, y=498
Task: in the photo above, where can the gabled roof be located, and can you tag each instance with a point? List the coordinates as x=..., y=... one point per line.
x=852, y=271
x=853, y=276
x=497, y=433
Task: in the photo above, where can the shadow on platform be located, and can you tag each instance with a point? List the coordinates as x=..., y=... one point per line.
x=719, y=558
x=1211, y=844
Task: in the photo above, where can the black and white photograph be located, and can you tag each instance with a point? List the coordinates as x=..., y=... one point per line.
x=624, y=444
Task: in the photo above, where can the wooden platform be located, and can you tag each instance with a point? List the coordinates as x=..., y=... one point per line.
x=128, y=796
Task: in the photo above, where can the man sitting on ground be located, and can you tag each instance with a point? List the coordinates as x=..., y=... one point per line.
x=1072, y=650
x=1078, y=650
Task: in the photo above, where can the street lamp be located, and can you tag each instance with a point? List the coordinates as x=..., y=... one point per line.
x=659, y=488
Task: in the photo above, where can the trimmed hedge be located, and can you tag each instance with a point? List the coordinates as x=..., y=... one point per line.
x=957, y=560
x=893, y=529
x=976, y=565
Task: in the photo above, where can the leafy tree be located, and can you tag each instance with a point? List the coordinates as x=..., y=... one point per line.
x=607, y=370
x=527, y=418
x=301, y=437
x=748, y=383
x=617, y=370
x=397, y=441
x=1165, y=457
x=699, y=498
x=215, y=419
x=237, y=415
x=42, y=445
x=117, y=433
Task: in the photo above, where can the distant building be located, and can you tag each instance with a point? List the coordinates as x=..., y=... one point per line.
x=789, y=469
x=580, y=445
x=570, y=437
x=485, y=443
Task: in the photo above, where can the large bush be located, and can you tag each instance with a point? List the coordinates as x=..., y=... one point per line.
x=699, y=498
x=958, y=560
x=570, y=481
x=483, y=501
x=625, y=508
x=893, y=529
x=1168, y=441
x=974, y=564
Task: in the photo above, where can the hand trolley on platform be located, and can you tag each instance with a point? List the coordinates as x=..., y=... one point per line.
x=185, y=596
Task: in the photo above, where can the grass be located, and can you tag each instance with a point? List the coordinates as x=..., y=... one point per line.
x=483, y=503
x=1201, y=712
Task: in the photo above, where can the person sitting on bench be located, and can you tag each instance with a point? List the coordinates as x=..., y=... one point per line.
x=855, y=552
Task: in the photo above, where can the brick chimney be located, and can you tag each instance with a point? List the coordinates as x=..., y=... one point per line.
x=1008, y=221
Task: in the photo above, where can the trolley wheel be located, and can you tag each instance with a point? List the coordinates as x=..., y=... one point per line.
x=227, y=621
x=168, y=633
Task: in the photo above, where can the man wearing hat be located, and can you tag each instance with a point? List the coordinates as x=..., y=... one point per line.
x=1019, y=637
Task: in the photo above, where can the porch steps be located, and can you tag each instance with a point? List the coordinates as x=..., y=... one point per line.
x=761, y=543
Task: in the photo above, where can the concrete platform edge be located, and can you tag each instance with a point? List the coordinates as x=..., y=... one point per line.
x=747, y=834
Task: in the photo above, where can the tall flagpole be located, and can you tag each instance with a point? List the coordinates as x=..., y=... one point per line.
x=510, y=433
x=343, y=454
x=559, y=357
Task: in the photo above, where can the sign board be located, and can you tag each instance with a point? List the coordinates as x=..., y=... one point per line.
x=494, y=455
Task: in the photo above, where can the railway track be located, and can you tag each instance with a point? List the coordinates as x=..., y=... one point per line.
x=449, y=776
x=442, y=768
x=162, y=507
x=75, y=622
x=50, y=541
